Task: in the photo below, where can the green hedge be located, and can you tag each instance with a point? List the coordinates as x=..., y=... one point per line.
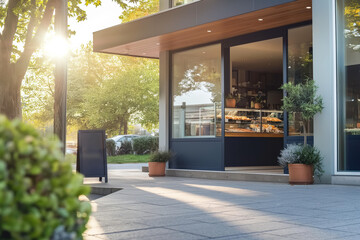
x=39, y=193
x=126, y=148
x=147, y=144
x=110, y=147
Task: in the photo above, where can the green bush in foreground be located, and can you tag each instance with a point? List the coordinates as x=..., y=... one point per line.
x=38, y=190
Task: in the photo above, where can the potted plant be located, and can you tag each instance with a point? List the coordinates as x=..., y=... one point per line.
x=301, y=98
x=157, y=163
x=258, y=102
x=304, y=161
x=230, y=101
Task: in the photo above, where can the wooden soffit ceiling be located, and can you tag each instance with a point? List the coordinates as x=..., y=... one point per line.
x=167, y=30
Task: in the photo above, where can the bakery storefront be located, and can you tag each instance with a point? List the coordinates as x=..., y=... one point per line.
x=254, y=125
x=220, y=77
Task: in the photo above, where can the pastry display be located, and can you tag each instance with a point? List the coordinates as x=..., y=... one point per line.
x=242, y=122
x=272, y=119
x=237, y=118
x=239, y=130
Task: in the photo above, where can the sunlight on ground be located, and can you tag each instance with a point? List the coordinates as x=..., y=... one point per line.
x=93, y=226
x=228, y=190
x=205, y=204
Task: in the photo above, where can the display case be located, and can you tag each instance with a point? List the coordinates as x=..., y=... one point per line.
x=242, y=122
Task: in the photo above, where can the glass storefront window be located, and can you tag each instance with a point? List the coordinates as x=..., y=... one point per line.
x=196, y=92
x=348, y=39
x=257, y=75
x=181, y=2
x=300, y=68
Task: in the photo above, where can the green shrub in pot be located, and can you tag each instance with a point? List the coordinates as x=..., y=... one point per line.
x=160, y=156
x=289, y=155
x=157, y=163
x=310, y=155
x=39, y=193
x=301, y=154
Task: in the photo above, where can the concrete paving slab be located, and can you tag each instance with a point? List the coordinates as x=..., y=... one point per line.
x=189, y=208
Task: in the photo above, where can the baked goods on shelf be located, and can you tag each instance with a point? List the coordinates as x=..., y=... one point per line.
x=237, y=118
x=238, y=130
x=272, y=119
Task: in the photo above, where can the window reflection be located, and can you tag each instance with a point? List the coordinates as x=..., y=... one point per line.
x=300, y=68
x=349, y=83
x=196, y=90
x=181, y=2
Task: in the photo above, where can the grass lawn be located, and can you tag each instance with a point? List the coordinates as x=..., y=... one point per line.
x=129, y=158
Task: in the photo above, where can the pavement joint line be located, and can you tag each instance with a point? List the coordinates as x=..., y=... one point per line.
x=125, y=231
x=181, y=231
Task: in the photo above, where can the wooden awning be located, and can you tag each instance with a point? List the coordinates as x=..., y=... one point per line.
x=198, y=23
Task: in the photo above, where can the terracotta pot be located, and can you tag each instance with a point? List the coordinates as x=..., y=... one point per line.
x=301, y=174
x=230, y=103
x=257, y=105
x=157, y=169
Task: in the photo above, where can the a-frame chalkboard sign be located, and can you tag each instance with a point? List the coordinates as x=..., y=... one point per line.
x=91, y=154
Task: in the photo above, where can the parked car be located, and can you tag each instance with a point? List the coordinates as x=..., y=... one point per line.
x=119, y=139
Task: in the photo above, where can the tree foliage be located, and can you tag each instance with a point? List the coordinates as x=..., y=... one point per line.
x=23, y=25
x=108, y=91
x=352, y=23
x=88, y=75
x=141, y=9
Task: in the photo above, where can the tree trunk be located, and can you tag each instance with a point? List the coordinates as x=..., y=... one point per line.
x=121, y=122
x=305, y=132
x=120, y=128
x=10, y=98
x=125, y=123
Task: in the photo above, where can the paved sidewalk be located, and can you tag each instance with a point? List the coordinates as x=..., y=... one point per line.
x=184, y=208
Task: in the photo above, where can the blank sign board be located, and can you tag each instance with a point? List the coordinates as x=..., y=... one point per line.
x=91, y=155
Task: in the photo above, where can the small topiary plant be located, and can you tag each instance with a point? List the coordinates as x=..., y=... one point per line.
x=302, y=98
x=39, y=193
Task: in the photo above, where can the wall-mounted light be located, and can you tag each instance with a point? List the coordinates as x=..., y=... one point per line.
x=308, y=7
x=260, y=19
x=209, y=31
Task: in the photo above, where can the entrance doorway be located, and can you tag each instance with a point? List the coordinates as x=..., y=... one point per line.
x=254, y=126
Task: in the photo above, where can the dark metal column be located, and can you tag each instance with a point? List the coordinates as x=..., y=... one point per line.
x=60, y=74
